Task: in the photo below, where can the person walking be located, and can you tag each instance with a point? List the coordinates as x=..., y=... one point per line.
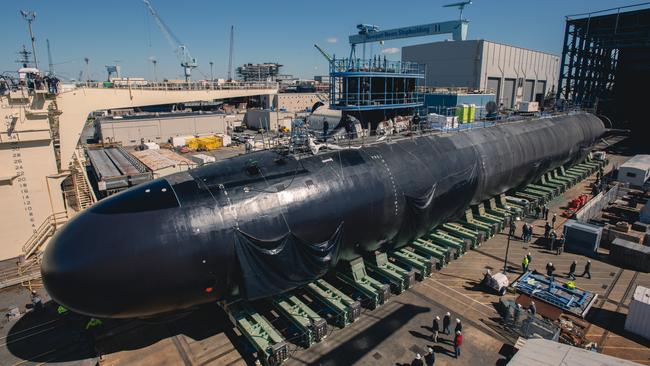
x=587, y=269
x=547, y=230
x=446, y=322
x=552, y=236
x=545, y=212
x=517, y=315
x=430, y=357
x=572, y=270
x=417, y=361
x=554, y=220
x=530, y=258
x=524, y=264
x=560, y=245
x=458, y=341
x=459, y=326
x=550, y=268
x=513, y=227
x=532, y=308
x=435, y=328
x=524, y=232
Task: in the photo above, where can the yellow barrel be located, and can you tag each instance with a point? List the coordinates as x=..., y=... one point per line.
x=472, y=112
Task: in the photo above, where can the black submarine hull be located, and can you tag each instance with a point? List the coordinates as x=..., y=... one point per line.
x=261, y=224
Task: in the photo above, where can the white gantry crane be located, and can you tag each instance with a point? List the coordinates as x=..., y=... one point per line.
x=182, y=52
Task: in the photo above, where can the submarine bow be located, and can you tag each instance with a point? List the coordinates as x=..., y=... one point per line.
x=263, y=223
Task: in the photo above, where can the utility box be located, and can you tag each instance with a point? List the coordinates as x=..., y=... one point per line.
x=638, y=315
x=630, y=255
x=528, y=107
x=582, y=238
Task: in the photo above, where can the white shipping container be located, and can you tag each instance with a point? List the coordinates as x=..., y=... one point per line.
x=227, y=140
x=151, y=146
x=180, y=141
x=638, y=315
x=203, y=159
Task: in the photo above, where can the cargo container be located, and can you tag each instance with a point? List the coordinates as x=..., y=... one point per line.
x=582, y=238
x=638, y=315
x=203, y=159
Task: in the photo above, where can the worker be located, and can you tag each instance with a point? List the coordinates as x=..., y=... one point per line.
x=513, y=226
x=537, y=212
x=547, y=230
x=93, y=323
x=326, y=127
x=545, y=212
x=530, y=258
x=435, y=328
x=554, y=219
x=61, y=310
x=446, y=322
x=430, y=357
x=417, y=361
x=517, y=314
x=530, y=232
x=37, y=302
x=532, y=308
x=572, y=270
x=459, y=326
x=458, y=341
x=560, y=245
x=552, y=236
x=524, y=232
x=587, y=269
x=524, y=264
x=550, y=268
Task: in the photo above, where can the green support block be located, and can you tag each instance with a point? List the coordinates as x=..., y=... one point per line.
x=456, y=246
x=474, y=237
x=355, y=275
x=413, y=261
x=271, y=348
x=302, y=317
x=345, y=309
x=481, y=214
x=429, y=249
x=399, y=278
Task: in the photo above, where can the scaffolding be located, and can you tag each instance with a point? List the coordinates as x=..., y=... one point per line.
x=603, y=56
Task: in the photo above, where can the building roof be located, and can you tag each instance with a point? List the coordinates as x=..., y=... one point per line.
x=642, y=294
x=542, y=352
x=160, y=159
x=638, y=162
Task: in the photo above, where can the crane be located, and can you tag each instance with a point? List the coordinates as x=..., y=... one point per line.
x=182, y=52
x=461, y=6
x=325, y=54
x=232, y=42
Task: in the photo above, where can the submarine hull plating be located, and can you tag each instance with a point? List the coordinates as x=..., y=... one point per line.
x=262, y=224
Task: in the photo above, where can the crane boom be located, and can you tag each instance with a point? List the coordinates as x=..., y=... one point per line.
x=49, y=58
x=182, y=52
x=322, y=52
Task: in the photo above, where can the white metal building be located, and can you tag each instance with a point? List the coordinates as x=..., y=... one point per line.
x=635, y=171
x=514, y=74
x=638, y=315
x=163, y=162
x=542, y=352
x=130, y=130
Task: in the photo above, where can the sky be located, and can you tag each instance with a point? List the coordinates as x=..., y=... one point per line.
x=123, y=32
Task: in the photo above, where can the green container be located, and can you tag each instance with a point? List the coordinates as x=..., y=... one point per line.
x=472, y=112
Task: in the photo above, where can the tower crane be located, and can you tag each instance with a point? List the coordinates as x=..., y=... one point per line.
x=182, y=52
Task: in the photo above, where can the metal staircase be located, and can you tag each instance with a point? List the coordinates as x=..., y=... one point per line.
x=44, y=233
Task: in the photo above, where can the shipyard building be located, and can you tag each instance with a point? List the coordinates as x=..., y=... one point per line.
x=513, y=74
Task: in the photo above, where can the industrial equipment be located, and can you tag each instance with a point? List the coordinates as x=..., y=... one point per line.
x=182, y=52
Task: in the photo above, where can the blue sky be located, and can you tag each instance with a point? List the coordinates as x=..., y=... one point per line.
x=265, y=31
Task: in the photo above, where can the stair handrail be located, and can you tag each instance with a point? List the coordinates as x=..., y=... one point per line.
x=44, y=231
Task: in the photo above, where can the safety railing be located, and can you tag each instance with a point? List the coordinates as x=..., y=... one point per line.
x=178, y=86
x=43, y=232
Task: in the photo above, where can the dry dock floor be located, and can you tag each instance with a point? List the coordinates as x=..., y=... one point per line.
x=389, y=335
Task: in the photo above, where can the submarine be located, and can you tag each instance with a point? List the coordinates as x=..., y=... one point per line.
x=264, y=223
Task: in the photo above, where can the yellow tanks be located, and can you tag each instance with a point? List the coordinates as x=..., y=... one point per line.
x=462, y=112
x=205, y=143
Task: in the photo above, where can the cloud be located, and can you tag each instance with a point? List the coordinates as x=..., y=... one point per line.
x=390, y=50
x=332, y=40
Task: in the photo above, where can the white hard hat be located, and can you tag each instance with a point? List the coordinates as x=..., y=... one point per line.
x=430, y=349
x=457, y=320
x=417, y=356
x=448, y=314
x=437, y=317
